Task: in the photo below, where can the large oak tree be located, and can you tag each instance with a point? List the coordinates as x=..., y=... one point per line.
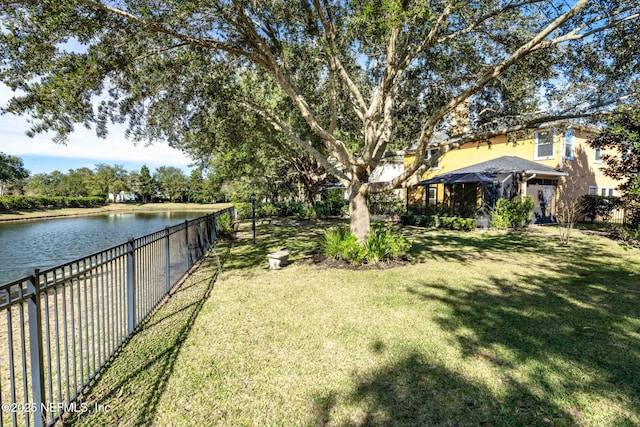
x=342, y=80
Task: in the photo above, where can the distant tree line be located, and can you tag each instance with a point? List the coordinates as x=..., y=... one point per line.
x=165, y=183
x=282, y=178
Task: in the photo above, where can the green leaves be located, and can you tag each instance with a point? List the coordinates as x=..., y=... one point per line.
x=381, y=245
x=620, y=140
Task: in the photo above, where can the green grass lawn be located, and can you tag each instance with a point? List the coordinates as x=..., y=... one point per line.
x=483, y=328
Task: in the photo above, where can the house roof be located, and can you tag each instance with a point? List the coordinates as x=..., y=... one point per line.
x=483, y=172
x=458, y=178
x=509, y=164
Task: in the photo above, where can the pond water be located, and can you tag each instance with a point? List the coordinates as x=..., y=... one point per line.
x=43, y=244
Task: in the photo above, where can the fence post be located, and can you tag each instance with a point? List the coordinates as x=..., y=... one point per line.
x=214, y=221
x=36, y=348
x=186, y=241
x=167, y=267
x=131, y=286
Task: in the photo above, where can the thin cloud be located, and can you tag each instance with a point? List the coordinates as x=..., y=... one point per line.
x=82, y=143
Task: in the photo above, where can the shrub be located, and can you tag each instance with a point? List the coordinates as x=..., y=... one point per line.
x=224, y=226
x=310, y=212
x=408, y=219
x=455, y=223
x=332, y=207
x=22, y=203
x=632, y=215
x=244, y=210
x=339, y=243
x=266, y=210
x=628, y=237
x=427, y=221
x=514, y=213
x=380, y=245
x=446, y=222
x=458, y=224
x=592, y=206
x=471, y=224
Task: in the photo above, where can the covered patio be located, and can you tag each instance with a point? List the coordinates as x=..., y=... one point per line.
x=474, y=190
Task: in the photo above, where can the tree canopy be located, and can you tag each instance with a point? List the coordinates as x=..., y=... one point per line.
x=11, y=170
x=342, y=81
x=621, y=138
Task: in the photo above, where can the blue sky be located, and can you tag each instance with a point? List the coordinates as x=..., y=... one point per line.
x=84, y=148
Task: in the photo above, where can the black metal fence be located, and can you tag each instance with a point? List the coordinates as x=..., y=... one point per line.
x=60, y=326
x=613, y=217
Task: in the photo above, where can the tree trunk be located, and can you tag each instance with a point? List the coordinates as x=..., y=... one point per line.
x=359, y=214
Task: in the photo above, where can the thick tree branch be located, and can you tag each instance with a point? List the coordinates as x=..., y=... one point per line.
x=280, y=72
x=334, y=60
x=491, y=74
x=577, y=35
x=281, y=126
x=481, y=20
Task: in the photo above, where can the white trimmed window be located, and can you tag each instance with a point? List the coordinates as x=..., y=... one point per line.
x=607, y=192
x=431, y=153
x=568, y=144
x=433, y=195
x=544, y=144
x=593, y=190
x=598, y=158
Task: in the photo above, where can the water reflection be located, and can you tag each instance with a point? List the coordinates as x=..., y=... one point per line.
x=42, y=244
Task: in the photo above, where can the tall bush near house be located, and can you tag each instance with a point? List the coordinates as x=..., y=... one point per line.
x=500, y=217
x=593, y=206
x=514, y=213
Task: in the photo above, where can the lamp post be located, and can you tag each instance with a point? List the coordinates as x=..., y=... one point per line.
x=253, y=215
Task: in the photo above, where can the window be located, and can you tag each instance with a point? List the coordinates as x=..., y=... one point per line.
x=433, y=195
x=544, y=145
x=607, y=192
x=598, y=158
x=568, y=144
x=593, y=190
x=431, y=153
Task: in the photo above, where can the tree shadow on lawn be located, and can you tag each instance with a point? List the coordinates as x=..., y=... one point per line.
x=434, y=245
x=135, y=379
x=301, y=237
x=557, y=342
x=416, y=391
x=578, y=328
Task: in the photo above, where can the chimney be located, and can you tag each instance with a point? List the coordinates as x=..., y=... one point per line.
x=461, y=118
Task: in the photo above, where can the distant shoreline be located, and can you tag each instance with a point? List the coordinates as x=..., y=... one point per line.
x=110, y=208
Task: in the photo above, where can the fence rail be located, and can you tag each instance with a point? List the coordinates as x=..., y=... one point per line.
x=63, y=324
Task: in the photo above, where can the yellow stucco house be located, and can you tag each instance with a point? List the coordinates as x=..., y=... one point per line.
x=541, y=163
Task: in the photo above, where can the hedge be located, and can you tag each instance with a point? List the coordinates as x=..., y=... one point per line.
x=448, y=222
x=24, y=203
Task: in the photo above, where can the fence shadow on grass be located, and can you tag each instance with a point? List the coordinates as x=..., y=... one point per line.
x=128, y=389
